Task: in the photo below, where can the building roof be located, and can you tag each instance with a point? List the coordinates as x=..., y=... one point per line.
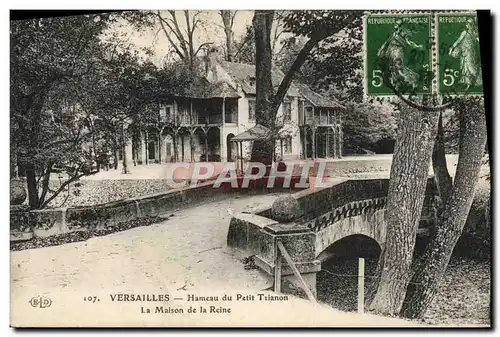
x=258, y=132
x=202, y=88
x=255, y=133
x=317, y=99
x=244, y=75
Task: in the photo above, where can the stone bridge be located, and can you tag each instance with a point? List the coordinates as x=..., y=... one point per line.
x=325, y=216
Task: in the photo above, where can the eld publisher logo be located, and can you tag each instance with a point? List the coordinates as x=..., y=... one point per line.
x=40, y=302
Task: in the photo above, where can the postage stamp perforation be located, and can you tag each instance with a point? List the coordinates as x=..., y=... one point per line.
x=434, y=56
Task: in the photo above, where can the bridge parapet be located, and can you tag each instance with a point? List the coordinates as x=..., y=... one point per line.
x=324, y=216
x=354, y=208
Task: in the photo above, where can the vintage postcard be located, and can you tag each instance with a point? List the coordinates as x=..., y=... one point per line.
x=250, y=168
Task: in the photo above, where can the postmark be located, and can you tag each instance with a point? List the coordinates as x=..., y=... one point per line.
x=398, y=57
x=458, y=57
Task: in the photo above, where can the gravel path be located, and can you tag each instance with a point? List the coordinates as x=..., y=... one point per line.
x=187, y=250
x=186, y=254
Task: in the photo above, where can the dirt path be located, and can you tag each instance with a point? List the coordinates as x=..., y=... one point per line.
x=185, y=255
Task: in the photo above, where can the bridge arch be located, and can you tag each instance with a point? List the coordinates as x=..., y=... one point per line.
x=351, y=246
x=369, y=224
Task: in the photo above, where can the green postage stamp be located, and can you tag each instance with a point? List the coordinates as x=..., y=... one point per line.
x=422, y=53
x=398, y=54
x=459, y=58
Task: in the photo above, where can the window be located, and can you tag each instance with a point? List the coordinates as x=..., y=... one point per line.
x=287, y=111
x=251, y=110
x=169, y=149
x=164, y=112
x=152, y=150
x=287, y=145
x=309, y=114
x=331, y=118
x=301, y=111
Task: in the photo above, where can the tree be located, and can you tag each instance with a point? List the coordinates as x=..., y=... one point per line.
x=245, y=47
x=47, y=54
x=179, y=28
x=262, y=22
x=83, y=113
x=335, y=65
x=406, y=193
x=316, y=26
x=365, y=124
x=227, y=17
x=441, y=174
x=457, y=203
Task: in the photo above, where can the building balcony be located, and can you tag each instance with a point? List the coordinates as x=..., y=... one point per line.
x=207, y=120
x=319, y=120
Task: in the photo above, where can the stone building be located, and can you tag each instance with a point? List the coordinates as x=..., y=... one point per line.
x=200, y=128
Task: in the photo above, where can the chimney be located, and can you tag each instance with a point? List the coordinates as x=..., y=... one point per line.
x=211, y=64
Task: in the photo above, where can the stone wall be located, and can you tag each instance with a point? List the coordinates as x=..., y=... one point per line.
x=346, y=196
x=321, y=208
x=47, y=222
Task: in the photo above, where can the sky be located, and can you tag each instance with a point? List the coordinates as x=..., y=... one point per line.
x=211, y=31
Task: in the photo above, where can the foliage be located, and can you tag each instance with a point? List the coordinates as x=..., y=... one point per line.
x=245, y=47
x=69, y=98
x=290, y=47
x=336, y=61
x=315, y=26
x=47, y=56
x=365, y=124
x=334, y=67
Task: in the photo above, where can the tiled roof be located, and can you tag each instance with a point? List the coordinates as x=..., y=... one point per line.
x=254, y=133
x=244, y=75
x=317, y=99
x=202, y=88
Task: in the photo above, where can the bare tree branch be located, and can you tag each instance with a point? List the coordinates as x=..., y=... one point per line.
x=182, y=40
x=177, y=50
x=201, y=46
x=66, y=183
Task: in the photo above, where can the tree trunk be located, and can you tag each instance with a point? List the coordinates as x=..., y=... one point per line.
x=452, y=220
x=32, y=186
x=45, y=183
x=115, y=154
x=146, y=146
x=407, y=185
x=14, y=172
x=227, y=20
x=268, y=103
x=176, y=150
x=33, y=131
x=159, y=148
x=262, y=21
x=124, y=153
x=439, y=166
